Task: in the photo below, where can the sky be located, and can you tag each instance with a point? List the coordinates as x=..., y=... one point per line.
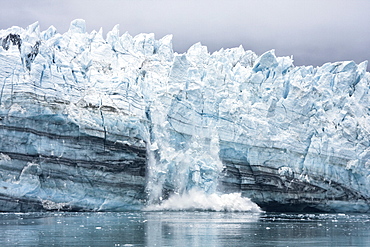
x=313, y=31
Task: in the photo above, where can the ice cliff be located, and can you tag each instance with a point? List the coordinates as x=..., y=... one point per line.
x=115, y=123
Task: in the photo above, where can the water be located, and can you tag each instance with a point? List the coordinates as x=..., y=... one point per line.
x=183, y=229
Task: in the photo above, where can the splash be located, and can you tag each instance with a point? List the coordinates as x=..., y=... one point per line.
x=196, y=200
x=186, y=166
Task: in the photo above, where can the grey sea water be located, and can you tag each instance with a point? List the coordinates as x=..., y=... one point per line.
x=183, y=229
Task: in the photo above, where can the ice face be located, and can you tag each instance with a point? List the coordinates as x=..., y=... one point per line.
x=94, y=123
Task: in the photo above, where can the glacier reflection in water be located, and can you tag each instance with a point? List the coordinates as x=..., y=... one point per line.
x=183, y=229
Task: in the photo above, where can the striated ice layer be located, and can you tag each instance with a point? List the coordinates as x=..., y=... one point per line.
x=117, y=123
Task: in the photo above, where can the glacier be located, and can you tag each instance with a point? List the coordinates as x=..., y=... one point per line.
x=89, y=123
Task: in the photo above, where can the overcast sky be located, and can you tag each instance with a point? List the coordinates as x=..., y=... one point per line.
x=313, y=31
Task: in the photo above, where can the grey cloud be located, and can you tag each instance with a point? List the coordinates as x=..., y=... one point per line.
x=314, y=31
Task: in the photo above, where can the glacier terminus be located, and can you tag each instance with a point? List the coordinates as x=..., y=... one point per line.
x=93, y=123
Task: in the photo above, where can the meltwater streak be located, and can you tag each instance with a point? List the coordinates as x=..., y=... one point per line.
x=195, y=200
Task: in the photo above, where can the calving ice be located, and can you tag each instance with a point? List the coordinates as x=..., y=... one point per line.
x=120, y=123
